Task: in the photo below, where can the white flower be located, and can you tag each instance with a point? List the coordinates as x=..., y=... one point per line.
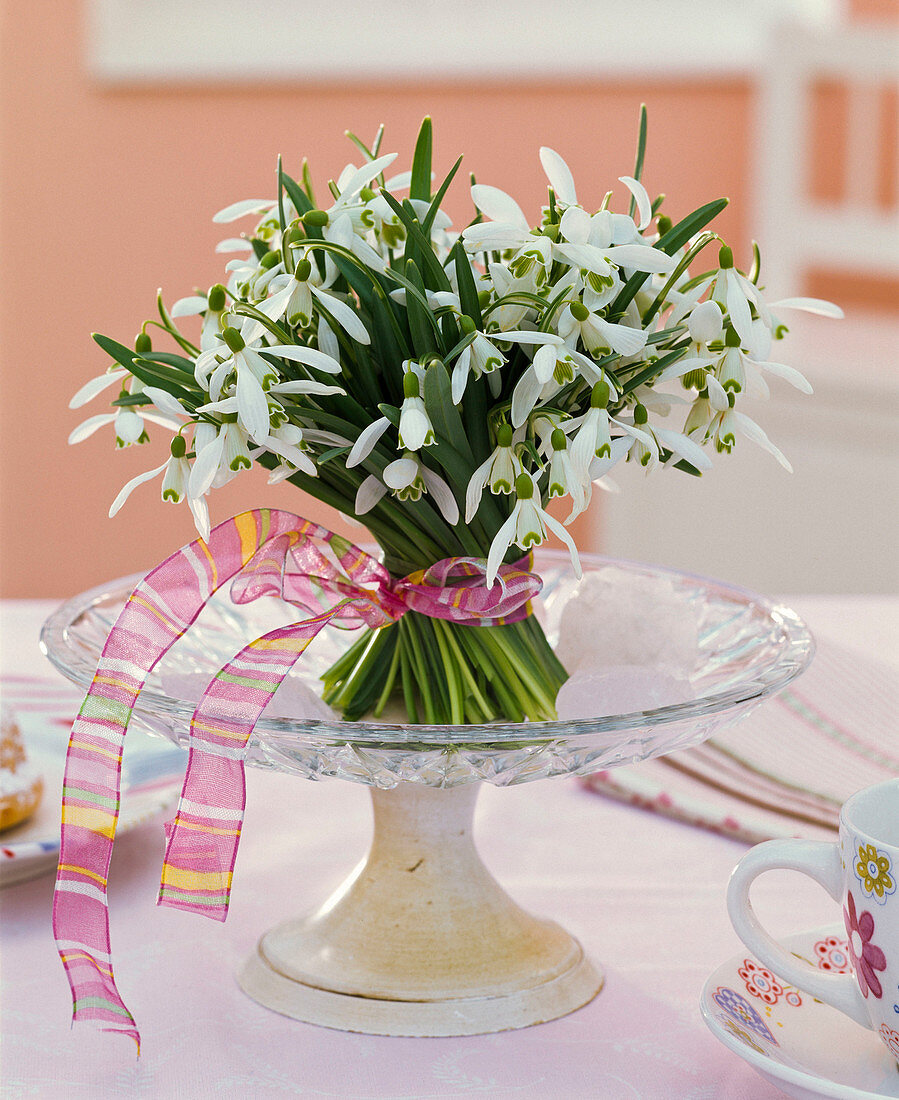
x=128, y=420
x=407, y=478
x=479, y=357
x=415, y=428
x=252, y=375
x=564, y=480
x=598, y=334
x=527, y=526
x=499, y=470
x=366, y=441
x=593, y=439
x=175, y=486
x=588, y=242
x=735, y=292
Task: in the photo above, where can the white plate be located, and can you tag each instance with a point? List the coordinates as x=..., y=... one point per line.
x=152, y=773
x=800, y=1045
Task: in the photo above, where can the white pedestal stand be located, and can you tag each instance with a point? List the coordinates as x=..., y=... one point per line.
x=420, y=939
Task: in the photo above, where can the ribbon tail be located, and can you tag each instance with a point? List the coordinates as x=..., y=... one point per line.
x=159, y=610
x=203, y=837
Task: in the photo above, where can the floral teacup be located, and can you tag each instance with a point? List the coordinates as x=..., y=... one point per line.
x=861, y=873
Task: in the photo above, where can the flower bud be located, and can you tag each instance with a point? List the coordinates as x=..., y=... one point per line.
x=665, y=224
x=558, y=440
x=178, y=446
x=524, y=487
x=467, y=324
x=599, y=397
x=142, y=343
x=725, y=257
x=215, y=299
x=303, y=270
x=317, y=218
x=640, y=415
x=504, y=436
x=579, y=311
x=270, y=259
x=366, y=194
x=411, y=387
x=233, y=338
x=294, y=234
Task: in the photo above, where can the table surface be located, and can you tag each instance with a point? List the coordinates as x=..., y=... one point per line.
x=644, y=895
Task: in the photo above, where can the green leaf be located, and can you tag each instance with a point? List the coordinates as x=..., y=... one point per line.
x=331, y=453
x=170, y=359
x=653, y=369
x=676, y=237
x=422, y=322
x=418, y=246
x=438, y=199
x=687, y=467
x=420, y=186
x=641, y=153
x=447, y=422
x=468, y=291
x=297, y=195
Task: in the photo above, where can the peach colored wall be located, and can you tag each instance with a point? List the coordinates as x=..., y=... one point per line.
x=108, y=194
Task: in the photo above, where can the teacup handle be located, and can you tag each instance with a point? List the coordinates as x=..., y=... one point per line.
x=821, y=862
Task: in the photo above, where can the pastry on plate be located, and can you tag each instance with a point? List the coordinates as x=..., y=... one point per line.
x=21, y=786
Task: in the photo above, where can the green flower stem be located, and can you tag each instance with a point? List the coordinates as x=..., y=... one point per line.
x=390, y=681
x=487, y=714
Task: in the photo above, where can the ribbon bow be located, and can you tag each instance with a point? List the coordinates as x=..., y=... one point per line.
x=263, y=553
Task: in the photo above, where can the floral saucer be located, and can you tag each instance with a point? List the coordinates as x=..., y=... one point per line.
x=800, y=1045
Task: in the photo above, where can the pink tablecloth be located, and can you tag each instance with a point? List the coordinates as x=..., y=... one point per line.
x=644, y=895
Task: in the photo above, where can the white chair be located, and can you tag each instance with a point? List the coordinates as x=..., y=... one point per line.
x=795, y=231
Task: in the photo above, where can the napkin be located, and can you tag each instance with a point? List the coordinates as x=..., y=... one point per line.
x=787, y=768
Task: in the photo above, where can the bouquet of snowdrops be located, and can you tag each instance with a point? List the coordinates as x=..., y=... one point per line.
x=446, y=386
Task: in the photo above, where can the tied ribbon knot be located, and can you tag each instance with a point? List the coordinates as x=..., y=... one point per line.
x=262, y=553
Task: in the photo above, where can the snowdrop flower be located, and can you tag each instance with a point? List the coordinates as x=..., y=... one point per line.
x=593, y=439
x=415, y=428
x=129, y=421
x=725, y=425
x=564, y=480
x=736, y=370
x=735, y=292
x=481, y=356
x=527, y=526
x=366, y=442
x=253, y=375
x=588, y=243
x=408, y=479
x=176, y=476
x=499, y=471
x=598, y=334
x=646, y=443
x=286, y=442
x=212, y=307
x=222, y=450
x=507, y=226
x=553, y=366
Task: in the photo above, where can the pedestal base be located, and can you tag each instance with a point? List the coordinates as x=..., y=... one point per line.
x=421, y=939
x=458, y=1016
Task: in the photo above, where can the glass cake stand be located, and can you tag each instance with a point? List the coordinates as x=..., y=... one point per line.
x=420, y=939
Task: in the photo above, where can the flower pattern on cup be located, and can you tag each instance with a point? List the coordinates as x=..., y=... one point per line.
x=760, y=982
x=866, y=956
x=891, y=1038
x=739, y=1009
x=832, y=954
x=874, y=872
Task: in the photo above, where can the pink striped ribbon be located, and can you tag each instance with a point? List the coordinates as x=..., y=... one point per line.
x=263, y=553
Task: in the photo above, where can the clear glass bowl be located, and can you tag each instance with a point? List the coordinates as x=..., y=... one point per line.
x=748, y=649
